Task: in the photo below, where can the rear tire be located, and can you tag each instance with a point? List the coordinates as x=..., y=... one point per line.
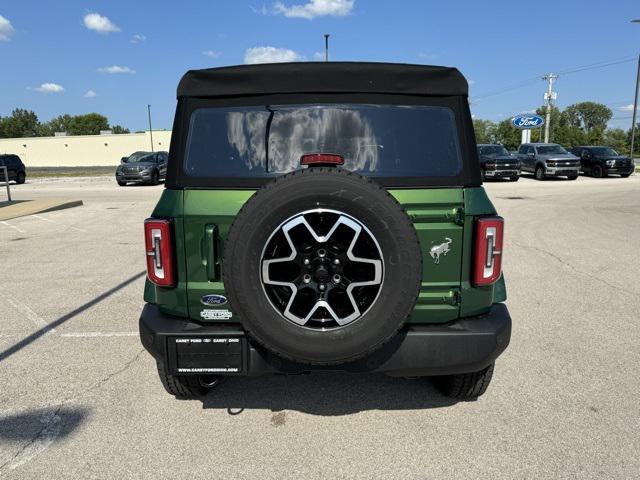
x=514, y=179
x=539, y=172
x=121, y=183
x=465, y=386
x=625, y=175
x=155, y=178
x=597, y=171
x=20, y=178
x=187, y=386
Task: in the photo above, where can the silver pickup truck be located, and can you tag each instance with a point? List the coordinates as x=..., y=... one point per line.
x=548, y=160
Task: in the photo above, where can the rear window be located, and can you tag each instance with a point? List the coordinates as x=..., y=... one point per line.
x=375, y=140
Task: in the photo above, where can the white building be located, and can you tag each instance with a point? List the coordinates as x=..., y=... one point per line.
x=84, y=150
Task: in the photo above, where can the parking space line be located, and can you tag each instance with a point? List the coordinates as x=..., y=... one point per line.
x=26, y=311
x=98, y=334
x=39, y=217
x=12, y=226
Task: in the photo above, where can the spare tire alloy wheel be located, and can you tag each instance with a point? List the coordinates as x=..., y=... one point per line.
x=321, y=271
x=322, y=266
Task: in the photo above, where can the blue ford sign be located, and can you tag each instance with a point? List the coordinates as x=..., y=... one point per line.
x=527, y=121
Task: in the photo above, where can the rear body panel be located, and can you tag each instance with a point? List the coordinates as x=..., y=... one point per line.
x=443, y=218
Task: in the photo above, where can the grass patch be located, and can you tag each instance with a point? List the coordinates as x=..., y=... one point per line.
x=44, y=172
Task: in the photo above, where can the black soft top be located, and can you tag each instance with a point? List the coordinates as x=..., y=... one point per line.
x=323, y=77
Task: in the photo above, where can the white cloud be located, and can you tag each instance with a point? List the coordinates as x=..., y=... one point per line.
x=116, y=69
x=311, y=9
x=627, y=108
x=271, y=55
x=318, y=56
x=211, y=53
x=471, y=82
x=50, y=88
x=6, y=29
x=138, y=38
x=89, y=94
x=99, y=23
x=428, y=56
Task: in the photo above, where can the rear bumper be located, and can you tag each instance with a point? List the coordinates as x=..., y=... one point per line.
x=466, y=345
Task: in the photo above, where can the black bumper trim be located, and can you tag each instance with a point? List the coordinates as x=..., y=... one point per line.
x=465, y=345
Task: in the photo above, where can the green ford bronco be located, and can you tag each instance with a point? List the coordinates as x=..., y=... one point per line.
x=324, y=217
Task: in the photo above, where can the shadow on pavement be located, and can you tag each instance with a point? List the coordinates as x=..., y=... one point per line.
x=68, y=316
x=45, y=424
x=326, y=394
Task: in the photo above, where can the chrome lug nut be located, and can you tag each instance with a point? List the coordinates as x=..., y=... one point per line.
x=306, y=261
x=306, y=278
x=321, y=287
x=322, y=253
x=336, y=261
x=337, y=278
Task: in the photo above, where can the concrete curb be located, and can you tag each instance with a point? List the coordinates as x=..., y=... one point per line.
x=22, y=208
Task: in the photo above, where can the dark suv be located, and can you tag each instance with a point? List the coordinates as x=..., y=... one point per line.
x=497, y=162
x=15, y=168
x=142, y=167
x=602, y=161
x=324, y=217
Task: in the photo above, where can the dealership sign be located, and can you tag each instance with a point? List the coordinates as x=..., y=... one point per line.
x=527, y=121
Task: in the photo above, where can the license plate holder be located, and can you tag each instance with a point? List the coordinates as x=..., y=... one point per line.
x=207, y=355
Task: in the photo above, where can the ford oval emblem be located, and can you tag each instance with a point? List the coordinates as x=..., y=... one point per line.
x=213, y=300
x=527, y=121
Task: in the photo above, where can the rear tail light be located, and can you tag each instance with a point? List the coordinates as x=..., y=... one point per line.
x=488, y=250
x=322, y=159
x=159, y=249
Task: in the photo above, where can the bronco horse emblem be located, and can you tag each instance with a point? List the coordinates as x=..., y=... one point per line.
x=441, y=249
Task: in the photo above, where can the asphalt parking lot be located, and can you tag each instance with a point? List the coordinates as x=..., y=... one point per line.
x=79, y=398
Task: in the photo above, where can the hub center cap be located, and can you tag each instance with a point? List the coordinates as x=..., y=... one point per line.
x=322, y=274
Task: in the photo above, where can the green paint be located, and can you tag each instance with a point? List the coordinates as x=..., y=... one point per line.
x=202, y=218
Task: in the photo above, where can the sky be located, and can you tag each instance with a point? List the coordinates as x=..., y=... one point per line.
x=115, y=57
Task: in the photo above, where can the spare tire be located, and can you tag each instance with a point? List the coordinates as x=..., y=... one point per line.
x=322, y=266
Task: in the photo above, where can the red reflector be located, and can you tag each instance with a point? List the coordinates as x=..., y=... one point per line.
x=322, y=159
x=487, y=259
x=159, y=251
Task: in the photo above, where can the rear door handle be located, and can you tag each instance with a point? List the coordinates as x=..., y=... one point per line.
x=211, y=252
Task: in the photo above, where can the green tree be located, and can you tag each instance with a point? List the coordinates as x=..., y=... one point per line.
x=588, y=116
x=617, y=138
x=21, y=123
x=484, y=130
x=117, y=129
x=507, y=135
x=88, y=124
x=60, y=123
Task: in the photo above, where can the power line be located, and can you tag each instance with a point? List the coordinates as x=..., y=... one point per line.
x=581, y=68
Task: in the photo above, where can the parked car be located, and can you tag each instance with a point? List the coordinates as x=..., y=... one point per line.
x=15, y=168
x=142, y=167
x=497, y=162
x=548, y=160
x=602, y=161
x=320, y=217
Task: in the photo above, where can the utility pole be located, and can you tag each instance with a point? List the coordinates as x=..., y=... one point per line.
x=635, y=109
x=635, y=103
x=549, y=96
x=326, y=47
x=150, y=129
